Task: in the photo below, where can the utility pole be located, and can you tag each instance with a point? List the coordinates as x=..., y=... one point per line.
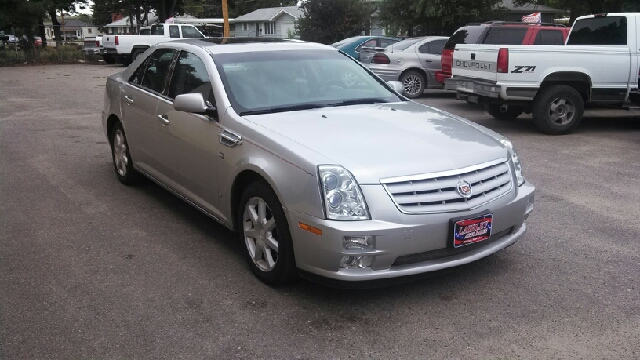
x=225, y=15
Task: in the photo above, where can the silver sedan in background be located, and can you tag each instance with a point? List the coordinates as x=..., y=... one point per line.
x=322, y=169
x=413, y=62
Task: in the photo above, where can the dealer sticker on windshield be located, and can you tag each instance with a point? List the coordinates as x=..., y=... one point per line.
x=471, y=231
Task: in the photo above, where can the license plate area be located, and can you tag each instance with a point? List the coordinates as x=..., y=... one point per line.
x=471, y=231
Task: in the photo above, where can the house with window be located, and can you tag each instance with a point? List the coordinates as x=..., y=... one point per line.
x=70, y=29
x=275, y=22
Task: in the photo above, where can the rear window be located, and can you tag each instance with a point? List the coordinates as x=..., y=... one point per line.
x=465, y=35
x=505, y=35
x=549, y=37
x=611, y=30
x=403, y=45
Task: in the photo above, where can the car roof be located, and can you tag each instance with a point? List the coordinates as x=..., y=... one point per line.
x=240, y=45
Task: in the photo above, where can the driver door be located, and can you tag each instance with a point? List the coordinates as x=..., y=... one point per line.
x=189, y=142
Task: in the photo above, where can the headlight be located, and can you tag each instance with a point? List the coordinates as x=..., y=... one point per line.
x=514, y=158
x=342, y=196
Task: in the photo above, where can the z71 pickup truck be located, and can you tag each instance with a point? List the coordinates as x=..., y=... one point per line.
x=598, y=65
x=126, y=48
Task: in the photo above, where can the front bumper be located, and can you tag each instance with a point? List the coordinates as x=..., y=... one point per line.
x=473, y=86
x=400, y=237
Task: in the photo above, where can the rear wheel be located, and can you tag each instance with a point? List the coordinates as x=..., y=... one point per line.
x=264, y=230
x=504, y=112
x=557, y=110
x=413, y=84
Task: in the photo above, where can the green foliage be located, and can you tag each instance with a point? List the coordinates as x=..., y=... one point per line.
x=61, y=54
x=431, y=17
x=328, y=21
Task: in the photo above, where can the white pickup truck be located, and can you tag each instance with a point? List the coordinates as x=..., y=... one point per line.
x=597, y=65
x=126, y=48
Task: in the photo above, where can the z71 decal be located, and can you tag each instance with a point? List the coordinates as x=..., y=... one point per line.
x=524, y=69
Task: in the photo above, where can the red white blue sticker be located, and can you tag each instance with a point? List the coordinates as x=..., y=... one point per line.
x=471, y=231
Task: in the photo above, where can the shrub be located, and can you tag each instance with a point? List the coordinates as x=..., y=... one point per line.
x=62, y=54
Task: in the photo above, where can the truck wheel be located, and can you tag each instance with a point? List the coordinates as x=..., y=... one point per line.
x=504, y=112
x=558, y=110
x=135, y=54
x=109, y=59
x=413, y=84
x=125, y=60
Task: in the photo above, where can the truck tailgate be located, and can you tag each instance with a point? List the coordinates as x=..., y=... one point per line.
x=109, y=41
x=475, y=61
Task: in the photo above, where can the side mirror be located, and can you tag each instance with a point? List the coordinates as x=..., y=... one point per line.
x=194, y=102
x=396, y=86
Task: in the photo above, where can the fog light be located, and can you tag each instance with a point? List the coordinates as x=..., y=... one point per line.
x=366, y=242
x=350, y=262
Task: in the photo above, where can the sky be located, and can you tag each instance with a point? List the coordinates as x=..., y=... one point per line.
x=86, y=10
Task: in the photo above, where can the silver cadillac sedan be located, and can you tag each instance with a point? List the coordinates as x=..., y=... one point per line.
x=321, y=168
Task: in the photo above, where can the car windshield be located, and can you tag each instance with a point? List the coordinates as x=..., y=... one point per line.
x=267, y=82
x=402, y=45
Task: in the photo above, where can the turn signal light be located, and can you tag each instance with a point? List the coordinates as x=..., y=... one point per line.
x=311, y=229
x=503, y=60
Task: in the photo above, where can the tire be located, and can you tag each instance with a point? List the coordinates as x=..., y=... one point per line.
x=122, y=162
x=109, y=59
x=558, y=110
x=511, y=112
x=413, y=84
x=266, y=236
x=124, y=60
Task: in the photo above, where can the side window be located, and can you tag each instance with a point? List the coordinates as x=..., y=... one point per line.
x=190, y=32
x=190, y=76
x=424, y=48
x=174, y=32
x=436, y=46
x=607, y=30
x=157, y=30
x=368, y=43
x=157, y=69
x=506, y=35
x=549, y=37
x=136, y=78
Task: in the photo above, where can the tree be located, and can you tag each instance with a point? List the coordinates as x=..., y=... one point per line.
x=20, y=17
x=328, y=21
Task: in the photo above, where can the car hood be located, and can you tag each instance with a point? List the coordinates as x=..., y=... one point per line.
x=387, y=140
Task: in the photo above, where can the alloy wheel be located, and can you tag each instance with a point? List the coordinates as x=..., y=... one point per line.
x=120, y=157
x=562, y=111
x=412, y=85
x=260, y=234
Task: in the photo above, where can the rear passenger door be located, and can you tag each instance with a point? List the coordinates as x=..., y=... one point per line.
x=140, y=96
x=430, y=55
x=549, y=37
x=188, y=142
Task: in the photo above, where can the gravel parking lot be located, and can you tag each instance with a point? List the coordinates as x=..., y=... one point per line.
x=93, y=269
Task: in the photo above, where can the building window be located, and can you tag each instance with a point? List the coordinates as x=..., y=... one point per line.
x=269, y=28
x=89, y=30
x=244, y=26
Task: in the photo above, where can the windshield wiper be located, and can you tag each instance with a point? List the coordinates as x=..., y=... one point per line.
x=360, y=101
x=277, y=109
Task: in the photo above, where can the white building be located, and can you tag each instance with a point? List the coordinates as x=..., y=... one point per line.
x=275, y=22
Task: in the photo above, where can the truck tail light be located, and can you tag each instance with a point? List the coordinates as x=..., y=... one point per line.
x=380, y=58
x=116, y=40
x=97, y=43
x=503, y=60
x=447, y=60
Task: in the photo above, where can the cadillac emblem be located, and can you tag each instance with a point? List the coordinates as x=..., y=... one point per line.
x=464, y=189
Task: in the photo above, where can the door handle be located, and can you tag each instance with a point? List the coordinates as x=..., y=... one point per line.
x=164, y=119
x=230, y=139
x=129, y=99
x=428, y=61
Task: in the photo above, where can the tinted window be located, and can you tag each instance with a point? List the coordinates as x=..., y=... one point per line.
x=506, y=35
x=368, y=43
x=136, y=78
x=404, y=44
x=549, y=37
x=436, y=46
x=610, y=30
x=157, y=68
x=424, y=48
x=191, y=32
x=174, y=32
x=190, y=76
x=465, y=35
x=386, y=42
x=157, y=30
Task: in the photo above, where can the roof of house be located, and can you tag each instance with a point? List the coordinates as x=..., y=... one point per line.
x=70, y=23
x=529, y=8
x=124, y=22
x=269, y=14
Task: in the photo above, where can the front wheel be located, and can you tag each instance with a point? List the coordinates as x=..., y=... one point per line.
x=504, y=112
x=558, y=110
x=121, y=158
x=413, y=84
x=264, y=230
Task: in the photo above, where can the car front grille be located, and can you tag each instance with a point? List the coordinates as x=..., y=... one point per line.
x=438, y=192
x=441, y=253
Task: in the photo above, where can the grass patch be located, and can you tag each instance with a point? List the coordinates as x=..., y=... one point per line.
x=62, y=54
